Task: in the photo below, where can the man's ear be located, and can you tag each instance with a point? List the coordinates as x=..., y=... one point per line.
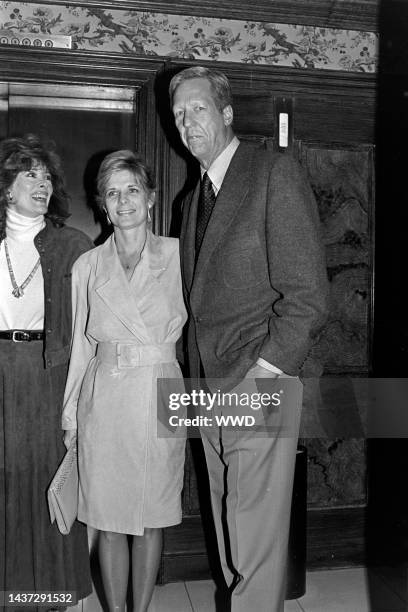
x=228, y=114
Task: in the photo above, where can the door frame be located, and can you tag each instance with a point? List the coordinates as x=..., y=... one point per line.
x=93, y=68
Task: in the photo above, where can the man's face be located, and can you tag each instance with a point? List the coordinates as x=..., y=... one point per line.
x=204, y=129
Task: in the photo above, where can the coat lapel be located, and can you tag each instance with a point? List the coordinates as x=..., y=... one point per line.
x=233, y=191
x=113, y=288
x=154, y=255
x=187, y=237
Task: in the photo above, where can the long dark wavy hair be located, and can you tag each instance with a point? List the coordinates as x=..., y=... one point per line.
x=21, y=154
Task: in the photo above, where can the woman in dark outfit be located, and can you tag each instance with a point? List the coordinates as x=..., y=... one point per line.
x=36, y=255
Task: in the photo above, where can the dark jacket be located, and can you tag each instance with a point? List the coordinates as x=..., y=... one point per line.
x=58, y=247
x=259, y=286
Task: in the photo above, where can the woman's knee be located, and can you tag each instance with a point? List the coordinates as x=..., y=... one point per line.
x=151, y=535
x=111, y=537
x=152, y=532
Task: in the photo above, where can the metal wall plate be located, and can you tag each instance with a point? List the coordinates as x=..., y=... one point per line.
x=56, y=41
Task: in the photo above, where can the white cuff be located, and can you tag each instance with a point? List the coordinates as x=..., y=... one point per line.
x=268, y=366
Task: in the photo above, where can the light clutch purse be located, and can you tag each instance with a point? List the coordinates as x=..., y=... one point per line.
x=63, y=491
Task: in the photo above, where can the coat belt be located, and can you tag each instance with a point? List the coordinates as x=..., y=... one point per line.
x=128, y=355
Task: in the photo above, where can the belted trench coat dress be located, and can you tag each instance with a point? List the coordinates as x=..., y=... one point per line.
x=124, y=335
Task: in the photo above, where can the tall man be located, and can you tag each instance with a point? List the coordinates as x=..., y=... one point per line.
x=255, y=287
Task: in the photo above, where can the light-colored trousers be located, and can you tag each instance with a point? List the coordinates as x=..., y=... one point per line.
x=251, y=481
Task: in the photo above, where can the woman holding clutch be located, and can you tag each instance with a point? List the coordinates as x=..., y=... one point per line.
x=129, y=313
x=36, y=255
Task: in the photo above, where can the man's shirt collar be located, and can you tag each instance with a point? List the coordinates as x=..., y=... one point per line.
x=219, y=167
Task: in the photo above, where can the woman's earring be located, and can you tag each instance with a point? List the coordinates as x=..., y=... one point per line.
x=9, y=196
x=149, y=216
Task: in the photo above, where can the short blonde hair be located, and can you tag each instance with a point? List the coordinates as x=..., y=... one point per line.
x=123, y=160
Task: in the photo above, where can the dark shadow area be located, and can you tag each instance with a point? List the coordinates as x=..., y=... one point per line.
x=391, y=328
x=164, y=110
x=3, y=527
x=89, y=183
x=176, y=209
x=168, y=126
x=387, y=519
x=387, y=459
x=296, y=565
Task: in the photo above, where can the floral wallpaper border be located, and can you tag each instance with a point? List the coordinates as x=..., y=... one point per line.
x=200, y=38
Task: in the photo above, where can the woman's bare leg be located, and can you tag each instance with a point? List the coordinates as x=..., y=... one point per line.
x=146, y=553
x=113, y=552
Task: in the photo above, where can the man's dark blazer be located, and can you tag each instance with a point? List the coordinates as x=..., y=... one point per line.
x=259, y=285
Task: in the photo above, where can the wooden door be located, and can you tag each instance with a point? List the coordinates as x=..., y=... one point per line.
x=85, y=123
x=331, y=132
x=88, y=105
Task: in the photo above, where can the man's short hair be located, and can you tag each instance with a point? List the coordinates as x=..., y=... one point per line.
x=220, y=86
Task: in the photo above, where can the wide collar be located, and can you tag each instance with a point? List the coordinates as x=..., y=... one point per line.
x=230, y=197
x=116, y=291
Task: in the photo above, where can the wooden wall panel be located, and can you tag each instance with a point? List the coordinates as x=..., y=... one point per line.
x=342, y=178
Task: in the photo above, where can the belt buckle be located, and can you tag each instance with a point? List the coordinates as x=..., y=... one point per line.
x=128, y=355
x=24, y=336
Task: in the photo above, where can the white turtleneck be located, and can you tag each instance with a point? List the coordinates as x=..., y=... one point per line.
x=26, y=312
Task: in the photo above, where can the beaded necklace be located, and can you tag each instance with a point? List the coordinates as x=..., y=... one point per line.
x=18, y=291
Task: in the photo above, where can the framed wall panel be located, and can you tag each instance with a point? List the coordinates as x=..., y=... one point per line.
x=342, y=178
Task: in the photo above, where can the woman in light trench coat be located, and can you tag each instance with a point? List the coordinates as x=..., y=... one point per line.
x=128, y=313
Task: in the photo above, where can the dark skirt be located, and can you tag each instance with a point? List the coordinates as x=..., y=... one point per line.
x=34, y=556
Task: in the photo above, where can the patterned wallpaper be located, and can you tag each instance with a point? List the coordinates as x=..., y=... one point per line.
x=180, y=36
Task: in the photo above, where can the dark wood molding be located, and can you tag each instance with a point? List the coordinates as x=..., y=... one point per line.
x=294, y=80
x=96, y=68
x=76, y=67
x=342, y=14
